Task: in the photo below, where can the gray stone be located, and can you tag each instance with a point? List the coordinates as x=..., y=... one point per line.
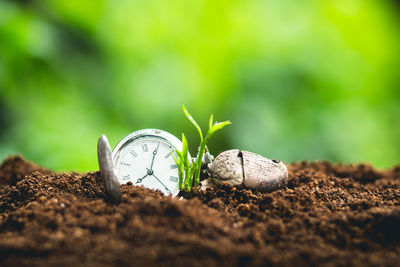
x=107, y=170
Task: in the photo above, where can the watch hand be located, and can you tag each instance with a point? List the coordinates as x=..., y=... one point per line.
x=166, y=188
x=154, y=155
x=141, y=179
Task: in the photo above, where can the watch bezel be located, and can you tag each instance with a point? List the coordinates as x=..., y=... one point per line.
x=169, y=138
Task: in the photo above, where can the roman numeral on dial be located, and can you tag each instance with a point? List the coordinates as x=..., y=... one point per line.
x=133, y=153
x=173, y=179
x=145, y=148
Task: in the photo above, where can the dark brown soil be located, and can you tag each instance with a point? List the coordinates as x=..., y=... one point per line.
x=327, y=215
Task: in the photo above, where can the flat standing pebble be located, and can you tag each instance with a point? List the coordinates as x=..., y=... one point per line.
x=107, y=170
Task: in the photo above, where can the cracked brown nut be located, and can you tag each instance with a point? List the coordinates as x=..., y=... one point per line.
x=238, y=167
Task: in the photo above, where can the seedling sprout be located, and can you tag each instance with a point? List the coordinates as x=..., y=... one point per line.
x=188, y=170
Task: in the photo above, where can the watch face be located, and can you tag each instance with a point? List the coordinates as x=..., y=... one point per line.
x=145, y=158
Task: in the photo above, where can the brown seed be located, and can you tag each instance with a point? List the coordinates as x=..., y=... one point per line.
x=227, y=166
x=262, y=173
x=247, y=168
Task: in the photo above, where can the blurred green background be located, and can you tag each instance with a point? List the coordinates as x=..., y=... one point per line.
x=300, y=80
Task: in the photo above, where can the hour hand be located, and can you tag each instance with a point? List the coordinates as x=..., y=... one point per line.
x=141, y=179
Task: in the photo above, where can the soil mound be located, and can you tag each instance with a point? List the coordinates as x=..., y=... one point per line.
x=15, y=168
x=327, y=215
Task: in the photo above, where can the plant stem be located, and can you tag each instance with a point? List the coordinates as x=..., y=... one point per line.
x=199, y=160
x=180, y=181
x=188, y=179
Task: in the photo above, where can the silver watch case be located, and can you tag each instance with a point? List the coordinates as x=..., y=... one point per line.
x=155, y=133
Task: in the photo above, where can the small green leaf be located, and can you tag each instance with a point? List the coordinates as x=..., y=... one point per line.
x=193, y=169
x=210, y=122
x=184, y=149
x=181, y=172
x=192, y=121
x=218, y=126
x=178, y=160
x=175, y=159
x=179, y=153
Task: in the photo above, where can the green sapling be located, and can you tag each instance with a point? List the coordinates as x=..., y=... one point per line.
x=188, y=170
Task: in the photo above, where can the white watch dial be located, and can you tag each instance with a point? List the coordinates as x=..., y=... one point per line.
x=148, y=161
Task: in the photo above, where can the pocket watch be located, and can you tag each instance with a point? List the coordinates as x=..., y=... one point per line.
x=145, y=158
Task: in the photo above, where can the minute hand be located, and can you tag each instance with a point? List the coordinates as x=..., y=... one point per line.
x=154, y=155
x=161, y=182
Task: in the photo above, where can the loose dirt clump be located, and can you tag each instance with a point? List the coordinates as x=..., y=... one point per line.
x=15, y=168
x=327, y=215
